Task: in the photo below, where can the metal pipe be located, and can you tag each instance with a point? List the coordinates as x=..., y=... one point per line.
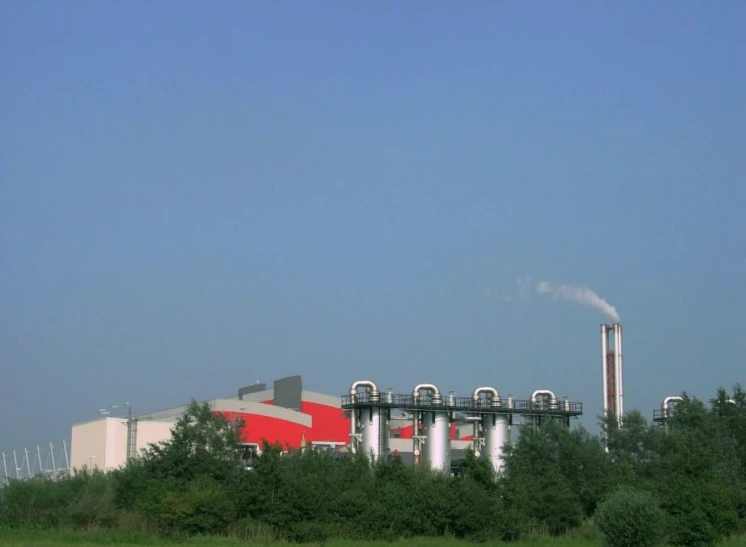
x=363, y=383
x=667, y=401
x=353, y=429
x=38, y=455
x=604, y=350
x=67, y=459
x=5, y=470
x=493, y=394
x=544, y=393
x=731, y=401
x=51, y=453
x=373, y=390
x=435, y=394
x=431, y=388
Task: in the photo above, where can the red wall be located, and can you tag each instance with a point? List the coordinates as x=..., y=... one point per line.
x=258, y=428
x=328, y=424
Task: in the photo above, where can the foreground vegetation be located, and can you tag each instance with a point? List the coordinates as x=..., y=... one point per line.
x=41, y=538
x=120, y=539
x=684, y=486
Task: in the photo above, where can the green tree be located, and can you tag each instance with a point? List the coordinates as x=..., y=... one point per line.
x=202, y=444
x=700, y=475
x=630, y=518
x=538, y=479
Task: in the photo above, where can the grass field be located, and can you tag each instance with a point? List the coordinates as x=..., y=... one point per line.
x=32, y=538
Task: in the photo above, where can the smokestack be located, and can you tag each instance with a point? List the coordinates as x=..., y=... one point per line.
x=619, y=371
x=604, y=349
x=613, y=374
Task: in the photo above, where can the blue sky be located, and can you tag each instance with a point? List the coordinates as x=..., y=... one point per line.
x=194, y=196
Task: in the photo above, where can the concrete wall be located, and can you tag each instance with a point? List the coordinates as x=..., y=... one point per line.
x=149, y=432
x=99, y=444
x=102, y=444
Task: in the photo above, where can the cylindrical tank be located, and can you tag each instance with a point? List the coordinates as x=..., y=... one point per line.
x=496, y=434
x=436, y=430
x=374, y=432
x=369, y=422
x=437, y=450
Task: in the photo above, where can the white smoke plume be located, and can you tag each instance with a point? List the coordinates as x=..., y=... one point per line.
x=580, y=295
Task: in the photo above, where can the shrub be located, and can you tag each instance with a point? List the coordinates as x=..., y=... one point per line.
x=630, y=518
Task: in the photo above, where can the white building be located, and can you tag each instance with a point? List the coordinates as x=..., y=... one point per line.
x=102, y=444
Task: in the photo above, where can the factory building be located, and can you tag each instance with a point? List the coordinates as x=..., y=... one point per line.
x=422, y=427
x=284, y=413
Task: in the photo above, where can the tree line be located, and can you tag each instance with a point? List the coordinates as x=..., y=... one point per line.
x=684, y=484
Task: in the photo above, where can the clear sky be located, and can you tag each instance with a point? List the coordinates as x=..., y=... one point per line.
x=198, y=195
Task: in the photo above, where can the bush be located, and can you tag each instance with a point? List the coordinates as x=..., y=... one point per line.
x=630, y=518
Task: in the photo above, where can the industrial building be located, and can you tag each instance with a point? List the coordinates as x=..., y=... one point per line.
x=284, y=413
x=422, y=427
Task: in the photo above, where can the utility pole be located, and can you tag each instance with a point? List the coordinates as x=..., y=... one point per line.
x=28, y=463
x=5, y=470
x=38, y=456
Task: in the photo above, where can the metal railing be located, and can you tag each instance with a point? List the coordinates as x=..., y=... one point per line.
x=462, y=404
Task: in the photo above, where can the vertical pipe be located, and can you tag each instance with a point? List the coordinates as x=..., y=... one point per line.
x=15, y=464
x=353, y=426
x=604, y=348
x=28, y=463
x=38, y=455
x=5, y=470
x=54, y=464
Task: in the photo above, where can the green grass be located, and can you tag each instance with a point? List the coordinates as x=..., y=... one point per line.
x=46, y=538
